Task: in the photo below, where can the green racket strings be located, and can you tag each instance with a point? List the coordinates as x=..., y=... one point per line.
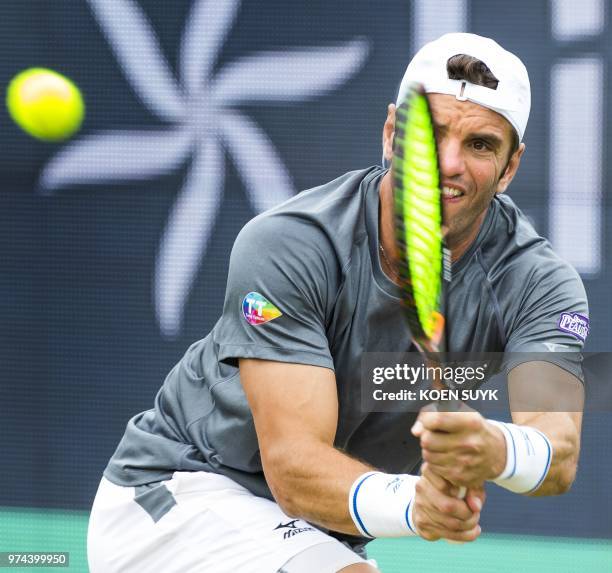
x=418, y=212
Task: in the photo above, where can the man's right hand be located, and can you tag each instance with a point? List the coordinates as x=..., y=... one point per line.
x=438, y=514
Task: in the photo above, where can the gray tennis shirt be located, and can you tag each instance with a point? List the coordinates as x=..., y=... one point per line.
x=305, y=286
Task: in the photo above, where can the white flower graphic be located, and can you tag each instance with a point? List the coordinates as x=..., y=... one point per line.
x=202, y=117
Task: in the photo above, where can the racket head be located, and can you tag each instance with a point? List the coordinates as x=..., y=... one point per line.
x=418, y=218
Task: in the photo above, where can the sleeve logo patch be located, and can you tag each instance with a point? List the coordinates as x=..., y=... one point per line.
x=574, y=324
x=257, y=309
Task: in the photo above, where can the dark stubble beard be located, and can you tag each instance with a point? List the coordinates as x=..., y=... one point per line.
x=461, y=225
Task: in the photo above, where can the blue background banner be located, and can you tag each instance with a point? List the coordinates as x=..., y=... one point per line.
x=114, y=245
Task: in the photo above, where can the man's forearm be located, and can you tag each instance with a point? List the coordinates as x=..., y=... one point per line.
x=314, y=483
x=389, y=505
x=553, y=406
x=563, y=431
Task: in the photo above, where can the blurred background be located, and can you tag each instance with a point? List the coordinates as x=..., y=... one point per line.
x=199, y=114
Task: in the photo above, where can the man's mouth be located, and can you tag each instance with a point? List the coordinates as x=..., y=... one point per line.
x=451, y=194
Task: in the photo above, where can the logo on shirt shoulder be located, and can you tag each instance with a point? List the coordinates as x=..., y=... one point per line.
x=257, y=309
x=574, y=324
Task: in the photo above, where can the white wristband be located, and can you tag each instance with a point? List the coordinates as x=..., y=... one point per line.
x=381, y=504
x=528, y=457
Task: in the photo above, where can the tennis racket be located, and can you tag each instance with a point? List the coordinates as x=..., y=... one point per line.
x=424, y=260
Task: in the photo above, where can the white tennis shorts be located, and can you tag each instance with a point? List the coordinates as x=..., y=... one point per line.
x=203, y=522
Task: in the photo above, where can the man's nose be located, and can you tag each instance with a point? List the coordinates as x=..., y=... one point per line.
x=450, y=153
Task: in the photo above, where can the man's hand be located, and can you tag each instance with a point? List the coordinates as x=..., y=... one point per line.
x=461, y=447
x=439, y=514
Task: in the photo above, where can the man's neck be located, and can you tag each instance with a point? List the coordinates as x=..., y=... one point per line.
x=462, y=244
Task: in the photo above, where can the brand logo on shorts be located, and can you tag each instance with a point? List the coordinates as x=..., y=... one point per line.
x=257, y=309
x=292, y=529
x=574, y=324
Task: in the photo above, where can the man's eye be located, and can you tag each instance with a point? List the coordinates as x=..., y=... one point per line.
x=480, y=145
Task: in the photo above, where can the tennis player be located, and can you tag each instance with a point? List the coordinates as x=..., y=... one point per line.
x=257, y=456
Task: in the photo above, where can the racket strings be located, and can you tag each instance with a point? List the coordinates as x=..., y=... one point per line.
x=418, y=215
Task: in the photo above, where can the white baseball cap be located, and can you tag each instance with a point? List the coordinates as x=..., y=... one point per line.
x=511, y=99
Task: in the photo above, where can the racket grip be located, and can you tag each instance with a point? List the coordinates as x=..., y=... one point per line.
x=460, y=495
x=450, y=407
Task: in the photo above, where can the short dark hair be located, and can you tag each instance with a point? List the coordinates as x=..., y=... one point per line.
x=471, y=69
x=475, y=71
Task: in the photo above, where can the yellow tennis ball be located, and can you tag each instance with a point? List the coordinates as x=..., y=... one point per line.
x=45, y=104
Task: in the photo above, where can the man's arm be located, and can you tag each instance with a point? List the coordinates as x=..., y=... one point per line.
x=467, y=449
x=295, y=409
x=555, y=399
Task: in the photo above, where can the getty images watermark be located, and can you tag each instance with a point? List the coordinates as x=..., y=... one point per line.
x=543, y=381
x=441, y=382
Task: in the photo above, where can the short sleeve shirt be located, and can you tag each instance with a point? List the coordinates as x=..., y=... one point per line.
x=305, y=286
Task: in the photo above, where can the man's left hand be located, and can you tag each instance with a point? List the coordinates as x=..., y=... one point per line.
x=462, y=447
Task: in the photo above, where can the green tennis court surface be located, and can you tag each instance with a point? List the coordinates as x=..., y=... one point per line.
x=34, y=530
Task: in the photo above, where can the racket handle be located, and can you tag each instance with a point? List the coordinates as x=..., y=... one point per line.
x=453, y=406
x=460, y=495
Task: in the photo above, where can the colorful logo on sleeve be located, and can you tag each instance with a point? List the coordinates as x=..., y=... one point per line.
x=574, y=324
x=257, y=309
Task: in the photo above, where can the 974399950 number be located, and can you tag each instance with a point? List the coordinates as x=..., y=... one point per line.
x=34, y=559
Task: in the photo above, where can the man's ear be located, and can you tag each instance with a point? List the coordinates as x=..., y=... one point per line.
x=511, y=169
x=389, y=133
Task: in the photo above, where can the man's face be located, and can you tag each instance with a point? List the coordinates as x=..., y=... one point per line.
x=474, y=146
